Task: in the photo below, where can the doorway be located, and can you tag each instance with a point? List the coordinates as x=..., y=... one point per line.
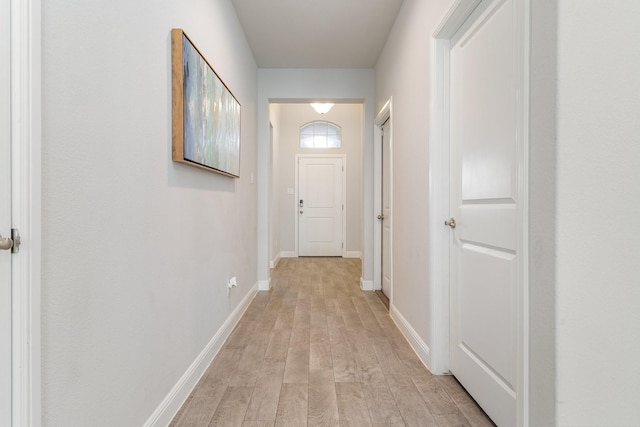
x=290, y=148
x=486, y=203
x=383, y=201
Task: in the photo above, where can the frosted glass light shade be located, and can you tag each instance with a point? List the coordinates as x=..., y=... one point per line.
x=322, y=108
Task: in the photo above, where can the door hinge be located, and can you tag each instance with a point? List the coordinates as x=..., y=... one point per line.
x=342, y=245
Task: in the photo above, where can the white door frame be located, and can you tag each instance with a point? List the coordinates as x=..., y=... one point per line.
x=439, y=194
x=344, y=195
x=384, y=115
x=26, y=53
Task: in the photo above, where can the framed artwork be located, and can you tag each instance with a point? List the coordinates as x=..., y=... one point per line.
x=206, y=115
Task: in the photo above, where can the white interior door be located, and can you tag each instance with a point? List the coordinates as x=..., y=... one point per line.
x=320, y=206
x=385, y=217
x=5, y=213
x=485, y=255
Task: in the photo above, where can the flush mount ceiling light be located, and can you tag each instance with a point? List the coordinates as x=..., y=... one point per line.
x=322, y=108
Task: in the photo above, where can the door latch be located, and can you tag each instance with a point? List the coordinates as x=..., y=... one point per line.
x=15, y=236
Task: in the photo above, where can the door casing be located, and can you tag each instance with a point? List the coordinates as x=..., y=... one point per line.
x=439, y=237
x=26, y=178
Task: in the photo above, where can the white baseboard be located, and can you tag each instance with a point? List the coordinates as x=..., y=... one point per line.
x=366, y=285
x=352, y=254
x=168, y=408
x=264, y=285
x=288, y=254
x=274, y=263
x=419, y=346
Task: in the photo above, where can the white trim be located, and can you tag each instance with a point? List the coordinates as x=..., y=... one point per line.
x=344, y=194
x=274, y=262
x=26, y=105
x=417, y=344
x=288, y=254
x=455, y=17
x=264, y=285
x=352, y=254
x=384, y=114
x=439, y=194
x=366, y=285
x=170, y=405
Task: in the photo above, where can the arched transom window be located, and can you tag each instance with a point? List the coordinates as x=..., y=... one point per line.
x=320, y=134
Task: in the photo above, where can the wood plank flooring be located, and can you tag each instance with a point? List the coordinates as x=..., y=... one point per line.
x=317, y=351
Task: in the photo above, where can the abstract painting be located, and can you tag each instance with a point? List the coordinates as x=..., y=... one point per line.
x=206, y=115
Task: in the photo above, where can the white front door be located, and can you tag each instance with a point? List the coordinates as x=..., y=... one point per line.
x=385, y=218
x=320, y=206
x=5, y=213
x=486, y=139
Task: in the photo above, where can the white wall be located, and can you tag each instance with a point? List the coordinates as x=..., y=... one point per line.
x=136, y=249
x=403, y=72
x=349, y=118
x=294, y=85
x=598, y=203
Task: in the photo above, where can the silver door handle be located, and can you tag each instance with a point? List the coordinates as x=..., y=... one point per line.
x=381, y=217
x=451, y=222
x=6, y=243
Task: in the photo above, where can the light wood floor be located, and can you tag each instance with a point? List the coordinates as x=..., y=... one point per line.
x=317, y=351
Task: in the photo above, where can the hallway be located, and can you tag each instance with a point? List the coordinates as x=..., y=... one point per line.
x=316, y=350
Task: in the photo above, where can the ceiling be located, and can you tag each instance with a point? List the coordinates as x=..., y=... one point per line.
x=316, y=33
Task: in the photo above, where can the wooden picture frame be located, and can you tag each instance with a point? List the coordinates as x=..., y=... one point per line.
x=206, y=114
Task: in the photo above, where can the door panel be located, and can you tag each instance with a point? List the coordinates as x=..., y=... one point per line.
x=484, y=201
x=320, y=188
x=480, y=224
x=486, y=283
x=320, y=230
x=386, y=209
x=5, y=212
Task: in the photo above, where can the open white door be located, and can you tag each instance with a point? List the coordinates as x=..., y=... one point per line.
x=5, y=213
x=320, y=206
x=486, y=200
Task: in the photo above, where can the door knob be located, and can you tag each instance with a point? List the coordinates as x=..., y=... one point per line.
x=451, y=222
x=300, y=212
x=381, y=217
x=6, y=243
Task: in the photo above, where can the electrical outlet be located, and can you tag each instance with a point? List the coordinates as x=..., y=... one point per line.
x=232, y=283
